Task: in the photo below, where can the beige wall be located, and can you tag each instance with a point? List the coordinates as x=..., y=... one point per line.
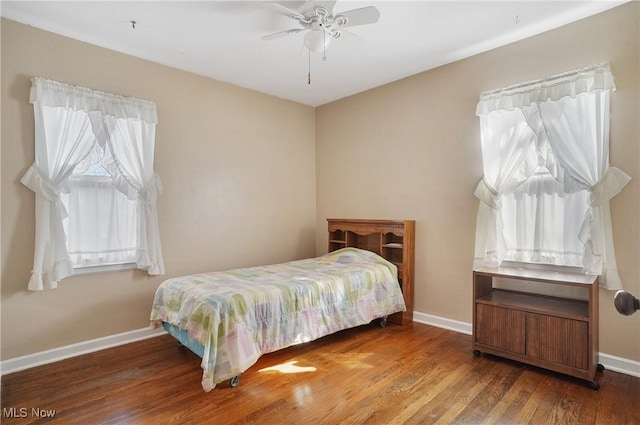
x=247, y=180
x=411, y=150
x=238, y=170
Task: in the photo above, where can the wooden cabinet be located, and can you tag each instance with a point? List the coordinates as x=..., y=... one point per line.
x=393, y=240
x=553, y=332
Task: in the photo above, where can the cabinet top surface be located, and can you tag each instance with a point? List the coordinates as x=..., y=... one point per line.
x=367, y=221
x=539, y=275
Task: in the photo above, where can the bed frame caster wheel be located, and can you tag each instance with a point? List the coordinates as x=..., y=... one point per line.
x=476, y=353
x=383, y=322
x=594, y=385
x=233, y=382
x=600, y=367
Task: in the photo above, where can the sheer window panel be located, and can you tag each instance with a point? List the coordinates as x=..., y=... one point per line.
x=101, y=226
x=542, y=222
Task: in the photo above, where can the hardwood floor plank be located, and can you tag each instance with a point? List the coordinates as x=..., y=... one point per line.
x=420, y=411
x=450, y=403
x=611, y=409
x=414, y=374
x=630, y=404
x=498, y=382
x=506, y=411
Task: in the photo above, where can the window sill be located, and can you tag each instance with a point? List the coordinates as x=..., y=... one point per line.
x=541, y=266
x=103, y=268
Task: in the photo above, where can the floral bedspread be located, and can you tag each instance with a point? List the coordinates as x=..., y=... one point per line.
x=238, y=315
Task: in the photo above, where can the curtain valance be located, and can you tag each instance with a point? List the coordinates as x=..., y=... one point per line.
x=56, y=94
x=568, y=84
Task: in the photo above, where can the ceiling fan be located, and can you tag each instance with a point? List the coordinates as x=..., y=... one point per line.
x=320, y=22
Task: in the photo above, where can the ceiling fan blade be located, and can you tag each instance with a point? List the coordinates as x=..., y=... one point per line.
x=281, y=34
x=363, y=16
x=284, y=10
x=348, y=33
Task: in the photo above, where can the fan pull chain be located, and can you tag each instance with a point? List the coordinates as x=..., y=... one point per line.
x=324, y=45
x=309, y=73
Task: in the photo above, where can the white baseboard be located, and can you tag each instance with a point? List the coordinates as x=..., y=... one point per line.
x=73, y=350
x=610, y=362
x=442, y=322
x=619, y=364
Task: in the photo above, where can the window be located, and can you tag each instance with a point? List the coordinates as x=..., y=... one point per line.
x=93, y=177
x=547, y=180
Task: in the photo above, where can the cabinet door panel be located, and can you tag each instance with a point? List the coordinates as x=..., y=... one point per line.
x=558, y=340
x=500, y=327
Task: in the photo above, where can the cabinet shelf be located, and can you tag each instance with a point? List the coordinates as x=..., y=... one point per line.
x=560, y=307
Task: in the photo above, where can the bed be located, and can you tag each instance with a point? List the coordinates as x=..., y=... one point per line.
x=230, y=318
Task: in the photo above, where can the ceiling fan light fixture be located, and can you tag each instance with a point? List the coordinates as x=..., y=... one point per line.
x=340, y=20
x=317, y=40
x=321, y=11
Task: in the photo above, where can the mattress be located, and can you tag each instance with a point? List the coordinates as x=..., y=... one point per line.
x=184, y=338
x=236, y=316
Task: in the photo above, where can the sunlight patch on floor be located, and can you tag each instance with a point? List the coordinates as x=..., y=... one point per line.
x=289, y=367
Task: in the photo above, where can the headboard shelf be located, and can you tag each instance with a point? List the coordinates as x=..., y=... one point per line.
x=393, y=240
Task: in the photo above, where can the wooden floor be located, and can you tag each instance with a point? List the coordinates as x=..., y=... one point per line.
x=414, y=374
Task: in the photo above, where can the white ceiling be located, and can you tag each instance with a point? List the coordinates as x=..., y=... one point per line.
x=222, y=39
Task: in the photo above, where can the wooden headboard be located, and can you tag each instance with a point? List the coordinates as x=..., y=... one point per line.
x=393, y=240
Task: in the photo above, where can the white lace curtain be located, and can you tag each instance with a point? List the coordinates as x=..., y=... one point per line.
x=69, y=122
x=559, y=125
